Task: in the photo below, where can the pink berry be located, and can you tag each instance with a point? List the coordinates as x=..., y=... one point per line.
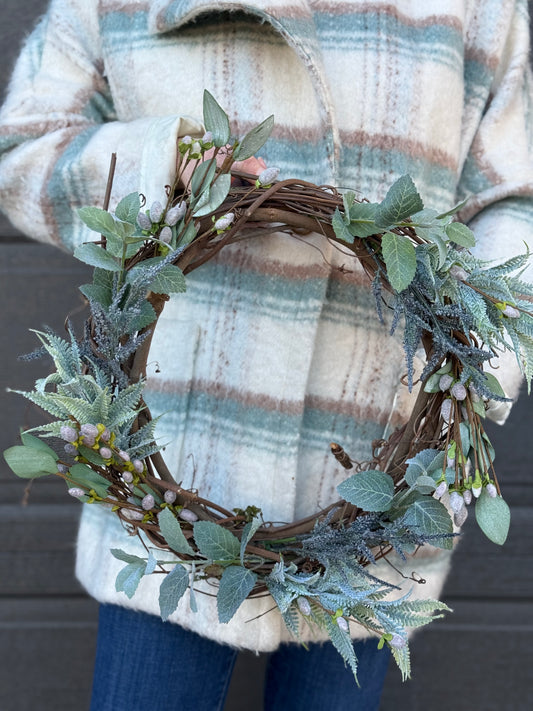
x=69, y=434
x=188, y=515
x=148, y=502
x=170, y=496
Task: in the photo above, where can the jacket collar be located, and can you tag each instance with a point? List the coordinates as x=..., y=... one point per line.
x=166, y=15
x=294, y=21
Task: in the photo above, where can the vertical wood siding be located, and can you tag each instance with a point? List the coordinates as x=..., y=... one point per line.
x=478, y=658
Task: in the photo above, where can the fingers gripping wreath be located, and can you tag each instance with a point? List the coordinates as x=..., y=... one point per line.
x=461, y=310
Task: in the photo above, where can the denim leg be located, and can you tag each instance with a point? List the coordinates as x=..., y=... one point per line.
x=319, y=681
x=144, y=663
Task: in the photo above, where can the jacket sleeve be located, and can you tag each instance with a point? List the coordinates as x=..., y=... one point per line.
x=498, y=171
x=58, y=129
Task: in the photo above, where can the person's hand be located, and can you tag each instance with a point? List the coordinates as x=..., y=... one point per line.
x=252, y=165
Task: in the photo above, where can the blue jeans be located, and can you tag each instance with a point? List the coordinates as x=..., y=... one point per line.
x=144, y=664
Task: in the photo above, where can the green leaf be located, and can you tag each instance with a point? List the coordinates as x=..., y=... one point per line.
x=172, y=590
x=217, y=194
x=362, y=222
x=128, y=208
x=215, y=542
x=340, y=227
x=235, y=585
x=436, y=237
x=493, y=517
x=401, y=201
x=29, y=440
x=97, y=293
x=348, y=199
x=400, y=259
x=91, y=455
x=95, y=256
x=428, y=516
x=146, y=317
x=432, y=383
x=460, y=234
x=29, y=462
x=202, y=178
x=82, y=474
x=187, y=236
x=172, y=533
x=248, y=533
x=169, y=280
x=494, y=385
x=129, y=578
x=119, y=554
x=216, y=120
x=98, y=220
x=371, y=490
x=420, y=465
x=254, y=139
x=454, y=209
x=424, y=484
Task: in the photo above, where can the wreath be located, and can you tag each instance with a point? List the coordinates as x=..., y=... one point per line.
x=461, y=309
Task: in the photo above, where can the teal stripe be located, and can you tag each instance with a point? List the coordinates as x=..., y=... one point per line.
x=436, y=183
x=65, y=189
x=320, y=428
x=439, y=43
x=285, y=300
x=263, y=430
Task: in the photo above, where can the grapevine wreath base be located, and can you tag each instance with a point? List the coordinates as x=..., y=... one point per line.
x=462, y=311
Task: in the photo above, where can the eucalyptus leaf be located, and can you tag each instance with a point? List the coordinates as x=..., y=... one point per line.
x=82, y=474
x=493, y=516
x=172, y=533
x=464, y=430
x=215, y=120
x=235, y=585
x=91, y=455
x=400, y=259
x=29, y=462
x=172, y=589
x=128, y=208
x=186, y=236
x=371, y=490
x=217, y=194
x=29, y=440
x=95, y=256
x=460, y=234
x=432, y=383
x=215, y=542
x=254, y=140
x=401, y=201
x=493, y=385
x=202, y=178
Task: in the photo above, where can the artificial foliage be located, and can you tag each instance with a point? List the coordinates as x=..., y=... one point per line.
x=462, y=310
